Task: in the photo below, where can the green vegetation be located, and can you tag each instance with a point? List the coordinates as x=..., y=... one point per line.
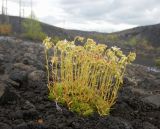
x=5, y=29
x=139, y=43
x=112, y=37
x=32, y=29
x=85, y=78
x=132, y=42
x=99, y=37
x=103, y=38
x=55, y=39
x=157, y=62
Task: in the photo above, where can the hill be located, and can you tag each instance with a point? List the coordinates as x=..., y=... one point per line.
x=150, y=33
x=50, y=30
x=144, y=40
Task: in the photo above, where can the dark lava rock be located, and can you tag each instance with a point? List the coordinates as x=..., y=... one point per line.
x=152, y=100
x=1, y=57
x=30, y=125
x=30, y=56
x=4, y=126
x=36, y=125
x=147, y=125
x=37, y=75
x=6, y=95
x=129, y=82
x=113, y=123
x=2, y=89
x=29, y=110
x=16, y=115
x=26, y=61
x=13, y=83
x=30, y=114
x=2, y=68
x=24, y=114
x=23, y=67
x=18, y=76
x=28, y=105
x=36, y=78
x=22, y=126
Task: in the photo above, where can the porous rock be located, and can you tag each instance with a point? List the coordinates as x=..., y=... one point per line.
x=18, y=76
x=114, y=123
x=36, y=77
x=4, y=126
x=152, y=100
x=6, y=95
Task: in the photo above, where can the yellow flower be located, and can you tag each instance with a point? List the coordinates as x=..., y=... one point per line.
x=79, y=38
x=119, y=53
x=115, y=48
x=54, y=59
x=47, y=43
x=131, y=57
x=101, y=47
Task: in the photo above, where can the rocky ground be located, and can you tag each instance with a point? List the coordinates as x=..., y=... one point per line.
x=24, y=103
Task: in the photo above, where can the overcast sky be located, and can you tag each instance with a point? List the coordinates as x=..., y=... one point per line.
x=92, y=15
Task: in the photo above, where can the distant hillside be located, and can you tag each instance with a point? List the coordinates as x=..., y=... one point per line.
x=151, y=33
x=50, y=30
x=144, y=40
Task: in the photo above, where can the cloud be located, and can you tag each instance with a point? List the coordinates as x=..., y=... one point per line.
x=115, y=11
x=97, y=15
x=25, y=3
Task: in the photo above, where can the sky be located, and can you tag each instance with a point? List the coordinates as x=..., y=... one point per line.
x=91, y=15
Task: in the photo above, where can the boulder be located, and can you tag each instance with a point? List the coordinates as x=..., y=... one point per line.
x=30, y=56
x=2, y=90
x=6, y=95
x=22, y=126
x=147, y=125
x=113, y=123
x=4, y=126
x=28, y=105
x=30, y=125
x=2, y=68
x=36, y=75
x=23, y=67
x=152, y=100
x=18, y=76
x=127, y=81
x=13, y=83
x=36, y=78
x=1, y=57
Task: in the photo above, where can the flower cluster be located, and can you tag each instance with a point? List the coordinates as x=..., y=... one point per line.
x=47, y=43
x=86, y=78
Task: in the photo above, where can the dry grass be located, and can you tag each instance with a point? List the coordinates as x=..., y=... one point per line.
x=5, y=29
